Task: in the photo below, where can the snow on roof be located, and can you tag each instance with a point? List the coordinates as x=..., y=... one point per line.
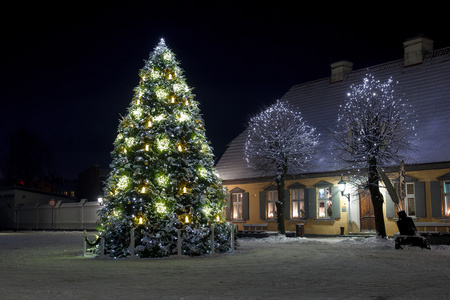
x=426, y=86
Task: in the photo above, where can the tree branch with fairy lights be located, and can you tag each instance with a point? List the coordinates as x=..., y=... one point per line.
x=375, y=130
x=280, y=142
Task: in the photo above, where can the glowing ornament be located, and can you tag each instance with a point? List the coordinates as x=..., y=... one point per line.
x=202, y=172
x=147, y=147
x=159, y=118
x=143, y=190
x=130, y=141
x=137, y=112
x=167, y=56
x=172, y=99
x=161, y=208
x=154, y=74
x=124, y=182
x=180, y=87
x=162, y=180
x=207, y=210
x=182, y=117
x=161, y=94
x=163, y=143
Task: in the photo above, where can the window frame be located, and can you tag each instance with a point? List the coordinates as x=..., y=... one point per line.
x=239, y=205
x=446, y=198
x=301, y=199
x=327, y=201
x=409, y=196
x=271, y=202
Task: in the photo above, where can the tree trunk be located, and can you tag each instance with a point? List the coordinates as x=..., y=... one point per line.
x=377, y=198
x=280, y=203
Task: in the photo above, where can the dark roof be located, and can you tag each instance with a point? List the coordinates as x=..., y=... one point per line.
x=426, y=86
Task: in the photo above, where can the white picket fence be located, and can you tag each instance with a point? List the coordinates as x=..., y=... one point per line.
x=62, y=216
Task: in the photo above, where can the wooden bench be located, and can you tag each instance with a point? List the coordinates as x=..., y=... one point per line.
x=435, y=232
x=255, y=227
x=432, y=227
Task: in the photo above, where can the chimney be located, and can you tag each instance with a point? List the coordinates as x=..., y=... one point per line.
x=340, y=69
x=415, y=50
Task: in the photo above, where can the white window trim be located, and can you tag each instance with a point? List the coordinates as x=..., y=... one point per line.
x=272, y=202
x=298, y=201
x=239, y=205
x=326, y=201
x=446, y=198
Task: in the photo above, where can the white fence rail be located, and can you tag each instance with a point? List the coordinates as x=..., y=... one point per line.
x=63, y=216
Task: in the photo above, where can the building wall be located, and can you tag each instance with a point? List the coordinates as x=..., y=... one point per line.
x=349, y=210
x=316, y=225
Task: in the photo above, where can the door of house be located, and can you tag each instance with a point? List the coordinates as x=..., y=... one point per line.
x=367, y=216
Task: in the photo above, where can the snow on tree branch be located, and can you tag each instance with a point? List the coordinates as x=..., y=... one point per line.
x=279, y=139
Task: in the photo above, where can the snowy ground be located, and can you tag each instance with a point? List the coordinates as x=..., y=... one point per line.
x=50, y=265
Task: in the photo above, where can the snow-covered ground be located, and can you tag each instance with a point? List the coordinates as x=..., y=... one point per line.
x=50, y=265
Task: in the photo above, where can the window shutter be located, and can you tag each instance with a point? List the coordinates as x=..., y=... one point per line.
x=228, y=210
x=390, y=206
x=336, y=202
x=436, y=201
x=245, y=206
x=262, y=205
x=287, y=204
x=419, y=195
x=312, y=214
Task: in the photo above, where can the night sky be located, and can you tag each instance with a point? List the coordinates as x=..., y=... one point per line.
x=68, y=69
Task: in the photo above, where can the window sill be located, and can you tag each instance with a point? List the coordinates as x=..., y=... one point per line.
x=325, y=220
x=414, y=218
x=298, y=220
x=238, y=221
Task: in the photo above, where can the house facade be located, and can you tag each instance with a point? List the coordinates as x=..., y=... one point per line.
x=313, y=198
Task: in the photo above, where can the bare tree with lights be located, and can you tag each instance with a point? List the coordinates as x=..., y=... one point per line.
x=374, y=129
x=280, y=142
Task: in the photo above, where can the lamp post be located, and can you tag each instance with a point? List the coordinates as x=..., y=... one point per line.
x=342, y=186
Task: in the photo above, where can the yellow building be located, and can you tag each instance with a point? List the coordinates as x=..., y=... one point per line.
x=313, y=198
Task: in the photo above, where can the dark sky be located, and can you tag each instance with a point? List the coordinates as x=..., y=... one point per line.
x=68, y=69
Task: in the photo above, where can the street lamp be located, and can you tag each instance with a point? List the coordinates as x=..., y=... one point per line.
x=342, y=185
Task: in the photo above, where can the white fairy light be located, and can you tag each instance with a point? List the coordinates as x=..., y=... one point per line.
x=160, y=208
x=167, y=56
x=159, y=118
x=137, y=112
x=182, y=117
x=161, y=93
x=130, y=141
x=124, y=182
x=163, y=143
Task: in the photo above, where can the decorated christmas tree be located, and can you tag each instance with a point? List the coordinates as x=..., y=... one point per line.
x=162, y=175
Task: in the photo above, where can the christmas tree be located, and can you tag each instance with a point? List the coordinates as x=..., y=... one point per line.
x=162, y=175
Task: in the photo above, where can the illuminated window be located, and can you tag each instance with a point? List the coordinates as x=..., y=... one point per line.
x=325, y=203
x=272, y=198
x=298, y=203
x=237, y=206
x=410, y=203
x=446, y=187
